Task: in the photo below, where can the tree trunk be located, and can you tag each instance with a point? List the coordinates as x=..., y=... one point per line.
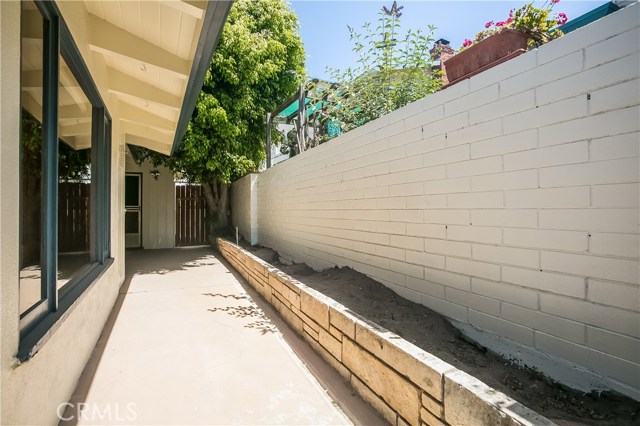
x=211, y=206
x=223, y=206
x=209, y=198
x=217, y=198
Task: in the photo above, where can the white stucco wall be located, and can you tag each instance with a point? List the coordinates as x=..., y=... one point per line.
x=508, y=201
x=9, y=138
x=158, y=205
x=31, y=392
x=244, y=207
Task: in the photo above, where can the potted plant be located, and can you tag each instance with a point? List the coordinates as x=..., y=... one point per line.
x=525, y=28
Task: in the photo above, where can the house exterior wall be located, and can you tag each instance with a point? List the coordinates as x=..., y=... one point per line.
x=508, y=201
x=158, y=205
x=9, y=139
x=32, y=391
x=244, y=207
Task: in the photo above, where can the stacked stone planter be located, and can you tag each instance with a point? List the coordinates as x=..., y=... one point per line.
x=407, y=385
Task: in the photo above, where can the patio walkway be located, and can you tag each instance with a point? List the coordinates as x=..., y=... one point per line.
x=188, y=343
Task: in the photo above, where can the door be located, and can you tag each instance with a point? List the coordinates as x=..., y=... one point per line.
x=132, y=210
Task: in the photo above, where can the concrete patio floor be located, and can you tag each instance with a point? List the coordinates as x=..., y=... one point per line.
x=189, y=343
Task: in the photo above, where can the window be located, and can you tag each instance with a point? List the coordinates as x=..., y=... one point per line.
x=75, y=179
x=64, y=174
x=32, y=25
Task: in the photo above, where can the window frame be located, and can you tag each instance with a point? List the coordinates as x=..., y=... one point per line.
x=38, y=323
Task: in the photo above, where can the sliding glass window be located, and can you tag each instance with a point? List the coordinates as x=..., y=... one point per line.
x=74, y=178
x=64, y=173
x=31, y=290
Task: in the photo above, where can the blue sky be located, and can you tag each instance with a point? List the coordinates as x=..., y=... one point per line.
x=323, y=23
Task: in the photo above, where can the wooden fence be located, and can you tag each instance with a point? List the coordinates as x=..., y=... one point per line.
x=73, y=216
x=192, y=217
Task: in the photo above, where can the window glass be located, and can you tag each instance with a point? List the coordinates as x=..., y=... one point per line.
x=64, y=176
x=31, y=30
x=74, y=177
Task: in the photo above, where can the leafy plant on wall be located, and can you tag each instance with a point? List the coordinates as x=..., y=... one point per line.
x=539, y=24
x=393, y=70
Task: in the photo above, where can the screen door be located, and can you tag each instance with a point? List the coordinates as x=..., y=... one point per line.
x=132, y=210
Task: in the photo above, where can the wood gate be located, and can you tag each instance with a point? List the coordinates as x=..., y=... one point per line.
x=192, y=217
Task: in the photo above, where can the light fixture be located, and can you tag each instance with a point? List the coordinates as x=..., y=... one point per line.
x=155, y=174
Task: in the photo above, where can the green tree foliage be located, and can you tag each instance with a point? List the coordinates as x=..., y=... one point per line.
x=258, y=62
x=393, y=70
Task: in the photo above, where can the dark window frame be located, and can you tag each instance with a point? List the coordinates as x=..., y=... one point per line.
x=37, y=324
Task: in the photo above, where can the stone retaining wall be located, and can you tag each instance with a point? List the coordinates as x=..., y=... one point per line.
x=407, y=385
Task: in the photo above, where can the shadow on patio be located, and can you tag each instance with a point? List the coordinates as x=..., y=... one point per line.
x=188, y=342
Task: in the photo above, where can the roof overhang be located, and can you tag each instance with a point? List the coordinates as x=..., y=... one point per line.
x=214, y=20
x=146, y=59
x=151, y=59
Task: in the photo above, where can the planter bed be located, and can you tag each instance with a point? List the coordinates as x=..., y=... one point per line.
x=492, y=51
x=406, y=384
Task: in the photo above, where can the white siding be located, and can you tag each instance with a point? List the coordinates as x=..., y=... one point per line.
x=158, y=206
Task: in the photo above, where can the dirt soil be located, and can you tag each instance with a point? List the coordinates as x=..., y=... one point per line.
x=435, y=334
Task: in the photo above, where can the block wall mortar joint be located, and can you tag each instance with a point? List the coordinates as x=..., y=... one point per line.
x=443, y=399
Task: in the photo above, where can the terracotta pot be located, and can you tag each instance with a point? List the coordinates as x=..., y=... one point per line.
x=485, y=54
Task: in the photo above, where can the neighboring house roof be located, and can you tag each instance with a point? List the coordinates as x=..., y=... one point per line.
x=152, y=56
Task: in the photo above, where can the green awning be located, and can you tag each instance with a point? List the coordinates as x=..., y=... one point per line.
x=292, y=109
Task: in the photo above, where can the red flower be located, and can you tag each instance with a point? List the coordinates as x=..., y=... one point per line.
x=467, y=43
x=488, y=24
x=562, y=18
x=555, y=1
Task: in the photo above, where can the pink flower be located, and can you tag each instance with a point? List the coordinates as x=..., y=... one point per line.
x=555, y=1
x=508, y=21
x=500, y=24
x=467, y=43
x=488, y=24
x=562, y=18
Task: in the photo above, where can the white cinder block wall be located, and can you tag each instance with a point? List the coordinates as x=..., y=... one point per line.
x=244, y=207
x=508, y=201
